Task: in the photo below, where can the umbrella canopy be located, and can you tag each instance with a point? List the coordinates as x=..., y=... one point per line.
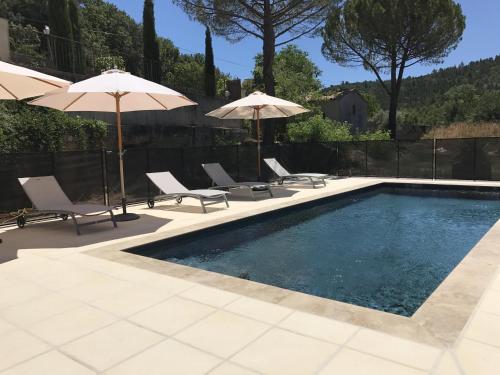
x=18, y=83
x=98, y=94
x=257, y=106
x=114, y=91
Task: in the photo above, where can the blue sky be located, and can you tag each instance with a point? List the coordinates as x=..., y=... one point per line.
x=481, y=39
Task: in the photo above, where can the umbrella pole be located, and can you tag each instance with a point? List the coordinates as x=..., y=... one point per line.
x=258, y=143
x=123, y=216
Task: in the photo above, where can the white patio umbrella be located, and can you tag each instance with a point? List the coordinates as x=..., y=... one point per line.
x=114, y=91
x=257, y=106
x=18, y=83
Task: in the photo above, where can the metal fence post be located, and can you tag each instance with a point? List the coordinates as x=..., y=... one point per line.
x=366, y=158
x=238, y=162
x=434, y=159
x=104, y=174
x=397, y=148
x=148, y=169
x=474, y=159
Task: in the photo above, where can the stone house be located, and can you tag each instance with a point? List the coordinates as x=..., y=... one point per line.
x=347, y=106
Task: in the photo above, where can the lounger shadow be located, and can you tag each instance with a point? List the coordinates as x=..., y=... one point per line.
x=47, y=197
x=173, y=189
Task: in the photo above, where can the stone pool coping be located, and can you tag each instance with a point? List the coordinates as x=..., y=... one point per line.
x=437, y=322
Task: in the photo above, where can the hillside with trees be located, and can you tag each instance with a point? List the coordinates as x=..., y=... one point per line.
x=462, y=96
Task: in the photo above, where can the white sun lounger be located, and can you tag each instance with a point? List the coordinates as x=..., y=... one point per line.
x=222, y=180
x=173, y=189
x=283, y=174
x=47, y=197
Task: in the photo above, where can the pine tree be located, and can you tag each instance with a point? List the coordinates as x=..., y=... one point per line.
x=61, y=34
x=210, y=86
x=150, y=41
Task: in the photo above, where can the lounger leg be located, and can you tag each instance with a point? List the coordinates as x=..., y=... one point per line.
x=251, y=193
x=75, y=224
x=225, y=200
x=113, y=218
x=324, y=182
x=312, y=182
x=270, y=191
x=203, y=205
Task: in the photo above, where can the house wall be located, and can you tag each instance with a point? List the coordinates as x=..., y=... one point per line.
x=351, y=108
x=4, y=40
x=178, y=127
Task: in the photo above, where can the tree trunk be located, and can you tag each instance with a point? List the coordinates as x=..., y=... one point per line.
x=268, y=52
x=393, y=106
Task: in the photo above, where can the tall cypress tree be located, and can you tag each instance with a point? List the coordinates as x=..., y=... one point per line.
x=60, y=28
x=210, y=86
x=150, y=41
x=78, y=53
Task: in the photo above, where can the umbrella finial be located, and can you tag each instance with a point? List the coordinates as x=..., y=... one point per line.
x=115, y=70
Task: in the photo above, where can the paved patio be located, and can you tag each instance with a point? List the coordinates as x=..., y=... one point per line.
x=66, y=310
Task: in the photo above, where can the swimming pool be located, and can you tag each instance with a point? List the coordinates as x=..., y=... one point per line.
x=386, y=248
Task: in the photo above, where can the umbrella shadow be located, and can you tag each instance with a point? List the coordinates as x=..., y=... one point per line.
x=58, y=234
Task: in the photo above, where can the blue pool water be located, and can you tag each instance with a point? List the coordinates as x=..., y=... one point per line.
x=386, y=249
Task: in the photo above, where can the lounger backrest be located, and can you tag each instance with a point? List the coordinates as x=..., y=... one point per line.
x=167, y=183
x=276, y=167
x=218, y=175
x=45, y=192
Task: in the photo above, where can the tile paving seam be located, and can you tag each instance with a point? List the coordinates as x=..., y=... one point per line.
x=342, y=346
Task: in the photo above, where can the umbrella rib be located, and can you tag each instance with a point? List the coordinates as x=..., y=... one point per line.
x=231, y=111
x=11, y=93
x=156, y=100
x=73, y=102
x=279, y=109
x=48, y=82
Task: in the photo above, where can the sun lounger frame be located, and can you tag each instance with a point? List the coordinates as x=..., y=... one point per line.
x=64, y=214
x=248, y=186
x=204, y=199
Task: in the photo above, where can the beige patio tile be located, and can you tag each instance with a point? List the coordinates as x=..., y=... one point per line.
x=477, y=358
x=231, y=369
x=99, y=286
x=173, y=285
x=53, y=363
x=222, y=333
x=172, y=315
x=484, y=327
x=35, y=310
x=264, y=311
x=66, y=276
x=210, y=296
x=22, y=292
x=283, y=352
x=5, y=326
x=167, y=357
x=71, y=324
x=447, y=366
x=319, y=327
x=396, y=349
x=496, y=283
x=490, y=302
x=131, y=300
x=351, y=362
x=17, y=346
x=111, y=345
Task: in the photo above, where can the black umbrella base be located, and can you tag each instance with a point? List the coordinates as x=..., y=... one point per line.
x=126, y=217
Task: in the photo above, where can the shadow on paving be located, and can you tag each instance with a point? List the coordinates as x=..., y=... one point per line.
x=56, y=234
